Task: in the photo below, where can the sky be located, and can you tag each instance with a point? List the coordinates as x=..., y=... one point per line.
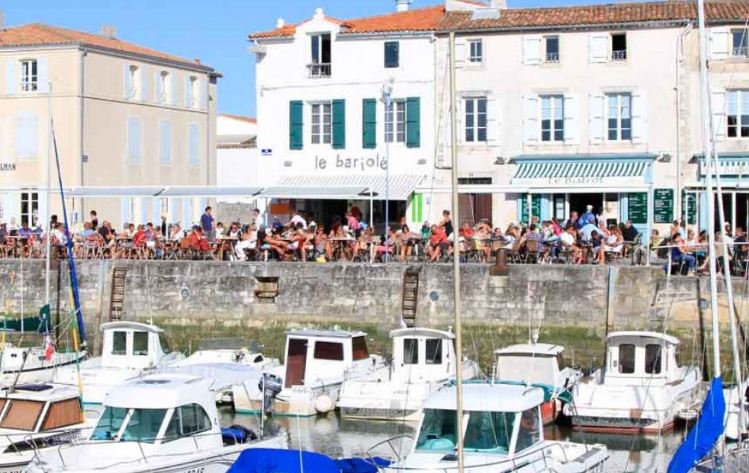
x=213, y=30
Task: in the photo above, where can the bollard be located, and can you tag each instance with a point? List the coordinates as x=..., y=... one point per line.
x=500, y=267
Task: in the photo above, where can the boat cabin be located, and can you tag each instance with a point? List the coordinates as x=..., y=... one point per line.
x=422, y=354
x=648, y=356
x=132, y=345
x=532, y=363
x=322, y=354
x=499, y=419
x=39, y=408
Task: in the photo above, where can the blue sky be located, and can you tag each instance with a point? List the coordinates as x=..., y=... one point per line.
x=213, y=30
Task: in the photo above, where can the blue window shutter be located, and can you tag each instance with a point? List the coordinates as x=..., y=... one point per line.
x=11, y=77
x=296, y=124
x=173, y=80
x=413, y=122
x=133, y=140
x=194, y=156
x=339, y=124
x=126, y=85
x=165, y=151
x=42, y=75
x=369, y=123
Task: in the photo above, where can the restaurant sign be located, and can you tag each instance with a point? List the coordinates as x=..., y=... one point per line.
x=729, y=167
x=7, y=167
x=351, y=164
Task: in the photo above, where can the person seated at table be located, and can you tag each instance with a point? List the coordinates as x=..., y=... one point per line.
x=438, y=243
x=247, y=241
x=426, y=230
x=107, y=233
x=152, y=239
x=195, y=240
x=630, y=233
x=361, y=246
x=176, y=234
x=612, y=244
x=298, y=243
x=3, y=232
x=680, y=254
x=387, y=244
x=235, y=231
x=139, y=238
x=220, y=230
x=406, y=241
x=25, y=231
x=353, y=223
x=568, y=242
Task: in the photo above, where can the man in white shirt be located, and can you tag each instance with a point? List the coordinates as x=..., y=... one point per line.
x=258, y=218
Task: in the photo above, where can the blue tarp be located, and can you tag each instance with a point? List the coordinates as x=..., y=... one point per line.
x=270, y=460
x=705, y=433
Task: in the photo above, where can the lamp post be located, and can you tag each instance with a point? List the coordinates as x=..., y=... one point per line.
x=387, y=92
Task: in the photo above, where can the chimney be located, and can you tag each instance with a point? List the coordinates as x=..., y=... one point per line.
x=402, y=5
x=319, y=14
x=280, y=23
x=109, y=31
x=498, y=4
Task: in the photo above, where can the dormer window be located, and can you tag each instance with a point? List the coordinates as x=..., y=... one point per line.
x=319, y=65
x=29, y=75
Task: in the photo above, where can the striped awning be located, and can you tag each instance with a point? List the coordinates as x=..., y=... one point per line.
x=729, y=164
x=570, y=171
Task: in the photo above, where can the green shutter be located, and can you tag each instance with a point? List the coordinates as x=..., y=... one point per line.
x=296, y=124
x=369, y=123
x=413, y=122
x=339, y=124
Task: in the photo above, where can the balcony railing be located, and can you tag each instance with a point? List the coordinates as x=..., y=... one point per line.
x=552, y=57
x=317, y=70
x=740, y=52
x=619, y=55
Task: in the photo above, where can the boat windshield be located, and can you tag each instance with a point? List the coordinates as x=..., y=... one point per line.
x=142, y=424
x=527, y=368
x=488, y=432
x=437, y=431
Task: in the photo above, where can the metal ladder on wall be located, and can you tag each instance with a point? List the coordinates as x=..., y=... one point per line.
x=410, y=297
x=117, y=301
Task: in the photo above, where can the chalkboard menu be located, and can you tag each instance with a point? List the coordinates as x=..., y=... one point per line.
x=663, y=205
x=535, y=207
x=638, y=207
x=689, y=207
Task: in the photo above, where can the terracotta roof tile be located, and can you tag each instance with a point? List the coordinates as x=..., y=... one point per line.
x=726, y=10
x=239, y=117
x=38, y=34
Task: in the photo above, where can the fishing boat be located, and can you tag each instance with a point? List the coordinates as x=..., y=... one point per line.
x=541, y=365
x=315, y=366
x=129, y=349
x=156, y=423
x=37, y=418
x=641, y=389
x=36, y=364
x=423, y=363
x=502, y=432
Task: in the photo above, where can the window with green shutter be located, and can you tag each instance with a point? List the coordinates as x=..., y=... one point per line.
x=369, y=123
x=413, y=122
x=339, y=124
x=296, y=124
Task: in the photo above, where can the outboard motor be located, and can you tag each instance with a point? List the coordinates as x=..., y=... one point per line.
x=270, y=385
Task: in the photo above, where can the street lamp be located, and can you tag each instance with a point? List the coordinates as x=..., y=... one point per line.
x=387, y=92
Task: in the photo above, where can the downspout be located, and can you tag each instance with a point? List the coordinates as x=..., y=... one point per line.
x=81, y=118
x=680, y=52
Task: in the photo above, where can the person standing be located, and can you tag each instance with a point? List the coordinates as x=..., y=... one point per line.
x=588, y=218
x=258, y=219
x=207, y=223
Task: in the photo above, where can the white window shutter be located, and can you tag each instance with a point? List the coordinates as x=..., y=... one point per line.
x=188, y=92
x=193, y=145
x=144, y=85
x=165, y=152
x=158, y=87
x=11, y=77
x=598, y=47
x=134, y=140
x=203, y=96
x=493, y=126
x=596, y=119
x=127, y=87
x=27, y=145
x=42, y=74
x=532, y=50
x=530, y=119
x=639, y=118
x=460, y=52
x=718, y=107
x=460, y=120
x=720, y=42
x=173, y=91
x=571, y=119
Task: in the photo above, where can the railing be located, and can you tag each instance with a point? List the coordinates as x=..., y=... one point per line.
x=389, y=443
x=742, y=51
x=316, y=70
x=619, y=55
x=552, y=57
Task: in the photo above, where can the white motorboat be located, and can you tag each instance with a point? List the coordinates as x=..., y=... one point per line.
x=156, y=423
x=642, y=388
x=733, y=406
x=542, y=365
x=230, y=350
x=423, y=363
x=37, y=418
x=129, y=349
x=33, y=363
x=316, y=363
x=503, y=433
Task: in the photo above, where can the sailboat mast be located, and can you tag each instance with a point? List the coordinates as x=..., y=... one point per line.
x=46, y=226
x=456, y=259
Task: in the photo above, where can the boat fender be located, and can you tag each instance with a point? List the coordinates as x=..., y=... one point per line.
x=324, y=403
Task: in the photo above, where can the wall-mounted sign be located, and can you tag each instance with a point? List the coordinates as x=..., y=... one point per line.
x=7, y=167
x=638, y=207
x=663, y=205
x=355, y=164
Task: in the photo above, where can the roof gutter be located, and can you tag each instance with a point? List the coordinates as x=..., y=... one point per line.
x=582, y=26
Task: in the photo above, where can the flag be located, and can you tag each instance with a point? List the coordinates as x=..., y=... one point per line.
x=49, y=348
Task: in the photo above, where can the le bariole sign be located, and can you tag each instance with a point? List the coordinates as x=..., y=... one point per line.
x=353, y=164
x=7, y=167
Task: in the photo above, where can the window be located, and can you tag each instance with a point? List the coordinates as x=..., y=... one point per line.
x=110, y=423
x=626, y=358
x=489, y=432
x=433, y=351
x=561, y=363
x=552, y=49
x=438, y=432
x=410, y=351
x=529, y=432
x=320, y=64
x=552, y=118
x=193, y=157
x=392, y=54
x=29, y=75
x=475, y=51
x=140, y=343
x=133, y=140
x=475, y=119
x=29, y=208
x=619, y=116
x=619, y=47
x=395, y=122
x=62, y=414
x=739, y=43
x=653, y=359
x=119, y=343
x=187, y=420
x=162, y=336
x=737, y=115
x=321, y=123
x=329, y=351
x=359, y=348
x=22, y=415
x=143, y=425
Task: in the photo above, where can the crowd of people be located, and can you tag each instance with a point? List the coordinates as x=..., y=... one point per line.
x=579, y=239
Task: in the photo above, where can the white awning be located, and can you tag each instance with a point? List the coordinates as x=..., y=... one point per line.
x=160, y=191
x=396, y=187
